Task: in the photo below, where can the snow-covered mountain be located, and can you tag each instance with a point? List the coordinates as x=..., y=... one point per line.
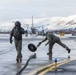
x=65, y=22
x=47, y=23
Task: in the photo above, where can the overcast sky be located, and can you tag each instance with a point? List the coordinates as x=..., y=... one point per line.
x=14, y=9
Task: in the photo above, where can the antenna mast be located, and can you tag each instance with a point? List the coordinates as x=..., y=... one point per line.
x=32, y=21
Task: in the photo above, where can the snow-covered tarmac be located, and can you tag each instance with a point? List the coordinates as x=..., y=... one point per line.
x=8, y=65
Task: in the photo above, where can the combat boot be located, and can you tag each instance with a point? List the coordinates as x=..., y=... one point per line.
x=50, y=56
x=20, y=60
x=17, y=60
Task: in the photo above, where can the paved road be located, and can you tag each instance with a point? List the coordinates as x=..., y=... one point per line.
x=66, y=69
x=8, y=65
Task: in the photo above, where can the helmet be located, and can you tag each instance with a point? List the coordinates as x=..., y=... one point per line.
x=17, y=23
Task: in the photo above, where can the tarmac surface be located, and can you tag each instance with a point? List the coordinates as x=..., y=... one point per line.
x=66, y=69
x=41, y=65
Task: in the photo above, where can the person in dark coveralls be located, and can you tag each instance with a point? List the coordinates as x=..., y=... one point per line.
x=52, y=39
x=17, y=32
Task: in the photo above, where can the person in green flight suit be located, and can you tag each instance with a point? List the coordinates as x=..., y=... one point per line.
x=52, y=39
x=17, y=32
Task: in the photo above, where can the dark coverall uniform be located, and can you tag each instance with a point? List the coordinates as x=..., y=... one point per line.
x=52, y=39
x=18, y=41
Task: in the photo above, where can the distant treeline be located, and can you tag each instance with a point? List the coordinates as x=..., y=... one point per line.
x=4, y=32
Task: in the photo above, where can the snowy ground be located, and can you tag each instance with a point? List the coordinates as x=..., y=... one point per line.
x=34, y=36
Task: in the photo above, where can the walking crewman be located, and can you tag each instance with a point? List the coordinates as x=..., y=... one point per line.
x=17, y=32
x=52, y=39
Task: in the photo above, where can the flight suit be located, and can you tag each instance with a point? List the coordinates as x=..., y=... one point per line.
x=52, y=39
x=17, y=41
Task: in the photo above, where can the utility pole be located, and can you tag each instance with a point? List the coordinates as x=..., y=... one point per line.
x=32, y=21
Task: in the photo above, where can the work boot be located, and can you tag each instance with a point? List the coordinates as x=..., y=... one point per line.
x=68, y=50
x=17, y=60
x=50, y=56
x=20, y=60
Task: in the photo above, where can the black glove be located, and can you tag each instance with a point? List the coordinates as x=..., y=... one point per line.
x=45, y=44
x=39, y=44
x=11, y=41
x=68, y=50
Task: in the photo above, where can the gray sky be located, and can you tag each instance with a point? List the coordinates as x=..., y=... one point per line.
x=14, y=9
